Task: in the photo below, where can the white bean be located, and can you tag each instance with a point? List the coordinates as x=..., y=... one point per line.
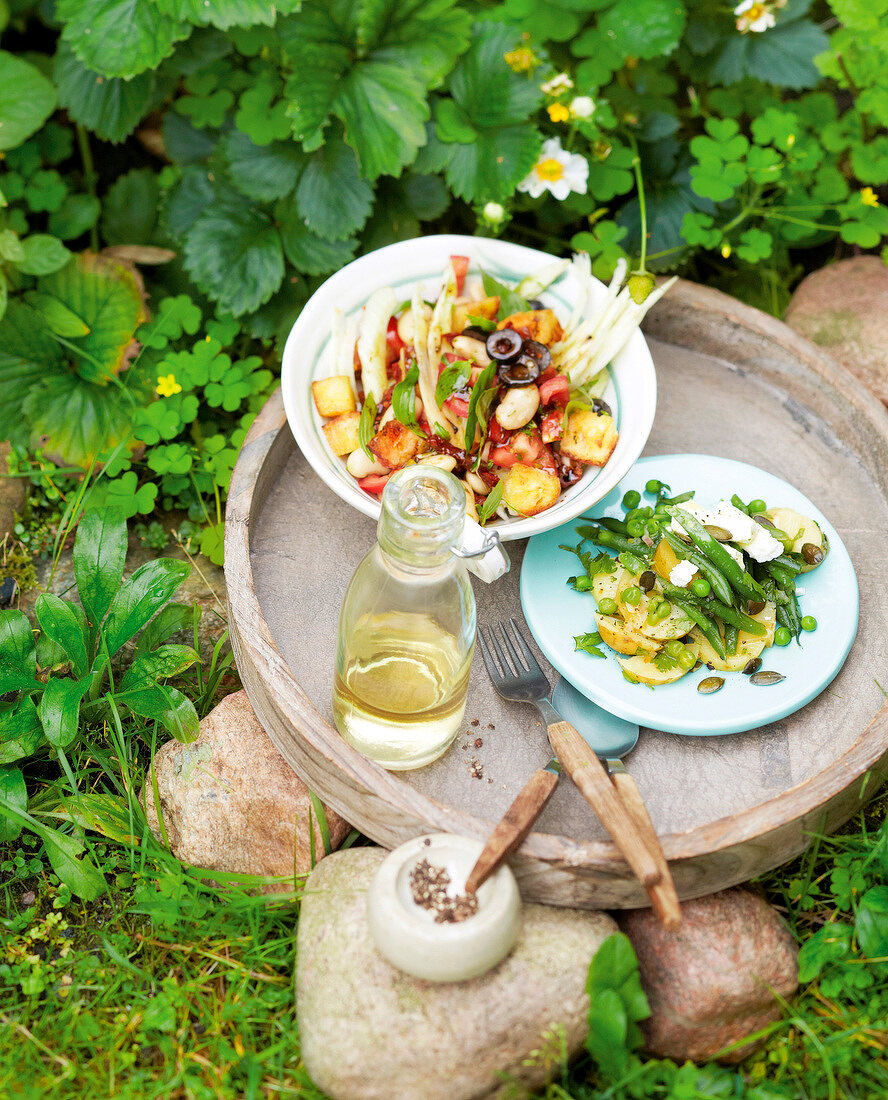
x=388, y=415
x=470, y=348
x=518, y=407
x=359, y=465
x=443, y=462
x=477, y=483
x=471, y=509
x=406, y=326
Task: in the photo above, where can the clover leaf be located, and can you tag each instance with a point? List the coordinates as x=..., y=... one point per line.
x=46, y=190
x=698, y=228
x=261, y=113
x=173, y=317
x=611, y=175
x=164, y=418
x=603, y=246
x=755, y=245
x=173, y=458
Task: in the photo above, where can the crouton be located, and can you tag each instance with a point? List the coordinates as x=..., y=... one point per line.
x=589, y=437
x=394, y=445
x=536, y=324
x=527, y=490
x=333, y=396
x=478, y=307
x=342, y=433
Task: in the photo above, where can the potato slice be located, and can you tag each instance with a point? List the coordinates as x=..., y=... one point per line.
x=645, y=671
x=535, y=324
x=528, y=490
x=604, y=585
x=675, y=626
x=749, y=646
x=665, y=560
x=618, y=636
x=476, y=307
x=802, y=527
x=333, y=396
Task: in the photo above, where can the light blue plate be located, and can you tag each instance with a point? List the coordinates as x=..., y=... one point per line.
x=556, y=613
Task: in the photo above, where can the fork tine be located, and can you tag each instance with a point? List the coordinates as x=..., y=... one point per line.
x=529, y=659
x=489, y=661
x=519, y=665
x=501, y=653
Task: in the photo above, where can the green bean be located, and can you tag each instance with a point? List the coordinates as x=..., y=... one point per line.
x=788, y=563
x=784, y=577
x=707, y=626
x=613, y=541
x=731, y=634
x=680, y=499
x=736, y=618
x=738, y=503
x=742, y=583
x=720, y=586
x=616, y=525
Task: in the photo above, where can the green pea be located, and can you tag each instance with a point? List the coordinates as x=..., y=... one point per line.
x=700, y=586
x=634, y=513
x=647, y=511
x=632, y=596
x=756, y=506
x=675, y=648
x=809, y=622
x=635, y=528
x=653, y=486
x=664, y=611
x=782, y=636
x=686, y=660
x=631, y=500
x=607, y=606
x=652, y=527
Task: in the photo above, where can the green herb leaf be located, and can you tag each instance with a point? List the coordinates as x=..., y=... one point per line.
x=452, y=378
x=404, y=401
x=27, y=99
x=365, y=426
x=588, y=643
x=482, y=322
x=510, y=301
x=478, y=391
x=491, y=502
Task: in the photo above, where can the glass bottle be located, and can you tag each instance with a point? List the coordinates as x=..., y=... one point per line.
x=407, y=627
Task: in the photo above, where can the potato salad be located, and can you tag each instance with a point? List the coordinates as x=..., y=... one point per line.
x=678, y=585
x=485, y=382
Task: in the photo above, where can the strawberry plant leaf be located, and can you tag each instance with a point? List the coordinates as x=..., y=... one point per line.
x=308, y=252
x=129, y=210
x=782, y=56
x=227, y=13
x=332, y=198
x=234, y=253
x=262, y=172
x=27, y=99
x=74, y=420
x=75, y=215
x=493, y=164
x=43, y=255
x=482, y=84
x=644, y=28
x=119, y=37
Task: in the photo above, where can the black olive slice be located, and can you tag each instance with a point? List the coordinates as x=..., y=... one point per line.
x=535, y=303
x=538, y=352
x=601, y=407
x=522, y=371
x=476, y=333
x=504, y=345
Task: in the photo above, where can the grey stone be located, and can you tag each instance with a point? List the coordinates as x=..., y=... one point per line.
x=715, y=981
x=230, y=802
x=843, y=307
x=369, y=1032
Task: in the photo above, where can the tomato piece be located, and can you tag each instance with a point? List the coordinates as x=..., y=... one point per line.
x=503, y=456
x=460, y=267
x=527, y=446
x=497, y=433
x=550, y=425
x=459, y=406
x=555, y=391
x=373, y=483
x=393, y=342
x=545, y=460
x=545, y=375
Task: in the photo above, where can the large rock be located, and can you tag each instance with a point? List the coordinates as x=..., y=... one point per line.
x=369, y=1032
x=717, y=979
x=844, y=309
x=230, y=802
x=12, y=494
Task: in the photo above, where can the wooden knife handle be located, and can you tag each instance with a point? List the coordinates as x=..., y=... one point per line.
x=589, y=774
x=663, y=897
x=513, y=828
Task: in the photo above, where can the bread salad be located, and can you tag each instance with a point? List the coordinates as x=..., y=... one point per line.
x=679, y=586
x=486, y=382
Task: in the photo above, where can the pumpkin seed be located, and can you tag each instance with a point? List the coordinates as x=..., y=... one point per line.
x=647, y=580
x=754, y=607
x=812, y=554
x=710, y=685
x=764, y=679
x=752, y=666
x=720, y=534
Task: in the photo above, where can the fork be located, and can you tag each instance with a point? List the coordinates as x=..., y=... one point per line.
x=517, y=676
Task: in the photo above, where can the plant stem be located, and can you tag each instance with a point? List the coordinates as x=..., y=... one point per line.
x=642, y=208
x=90, y=178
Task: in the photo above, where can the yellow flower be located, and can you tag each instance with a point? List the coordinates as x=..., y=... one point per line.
x=521, y=59
x=167, y=385
x=558, y=112
x=868, y=197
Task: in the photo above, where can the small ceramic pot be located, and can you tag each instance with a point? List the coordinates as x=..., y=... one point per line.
x=408, y=936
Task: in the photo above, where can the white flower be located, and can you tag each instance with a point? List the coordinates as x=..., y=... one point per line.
x=754, y=16
x=560, y=83
x=581, y=106
x=494, y=214
x=557, y=171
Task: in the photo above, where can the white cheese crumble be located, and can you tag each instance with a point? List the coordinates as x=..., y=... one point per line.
x=682, y=574
x=745, y=532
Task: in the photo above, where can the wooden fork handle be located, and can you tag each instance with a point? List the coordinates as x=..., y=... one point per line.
x=513, y=828
x=589, y=774
x=663, y=897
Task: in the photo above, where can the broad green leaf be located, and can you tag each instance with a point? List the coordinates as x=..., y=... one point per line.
x=234, y=254
x=15, y=678
x=21, y=733
x=644, y=28
x=17, y=646
x=140, y=597
x=164, y=704
x=43, y=255
x=227, y=13
x=332, y=198
x=161, y=664
x=871, y=922
x=75, y=216
x=782, y=56
x=106, y=296
x=129, y=211
x=25, y=339
x=452, y=123
x=27, y=99
x=426, y=195
x=184, y=143
x=60, y=623
x=108, y=106
x=308, y=252
x=13, y=792
x=828, y=944
x=11, y=246
x=59, y=710
x=170, y=620
x=262, y=172
x=424, y=36
x=74, y=421
x=608, y=1029
x=317, y=49
x=99, y=559
x=119, y=37
x=493, y=164
x=188, y=200
x=103, y=813
x=57, y=315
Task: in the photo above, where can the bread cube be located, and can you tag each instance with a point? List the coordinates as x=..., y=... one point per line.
x=589, y=437
x=342, y=433
x=394, y=445
x=478, y=307
x=528, y=490
x=535, y=324
x=334, y=396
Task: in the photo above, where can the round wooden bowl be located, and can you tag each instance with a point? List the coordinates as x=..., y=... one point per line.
x=733, y=382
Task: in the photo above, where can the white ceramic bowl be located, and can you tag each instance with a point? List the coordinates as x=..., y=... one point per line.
x=631, y=393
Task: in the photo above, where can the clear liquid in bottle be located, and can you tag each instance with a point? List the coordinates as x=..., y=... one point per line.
x=401, y=693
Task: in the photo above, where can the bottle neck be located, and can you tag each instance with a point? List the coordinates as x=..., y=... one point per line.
x=415, y=567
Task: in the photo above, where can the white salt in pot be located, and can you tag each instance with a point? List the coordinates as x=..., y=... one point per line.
x=407, y=935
